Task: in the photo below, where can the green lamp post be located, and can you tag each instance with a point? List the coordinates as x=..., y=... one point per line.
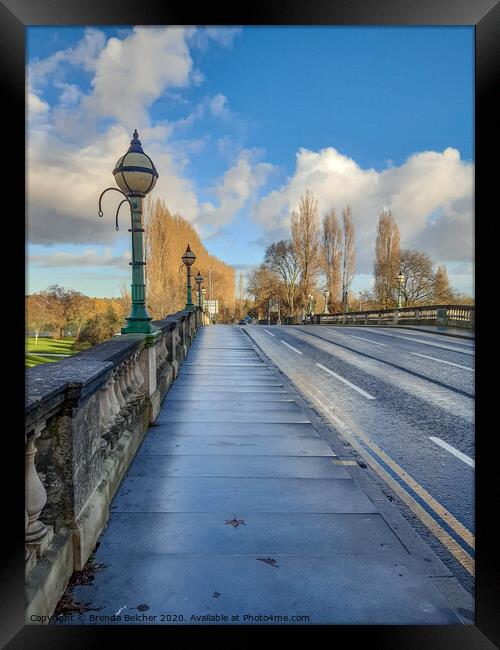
x=188, y=260
x=135, y=175
x=199, y=279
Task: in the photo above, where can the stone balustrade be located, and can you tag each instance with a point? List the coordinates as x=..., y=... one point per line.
x=85, y=417
x=442, y=315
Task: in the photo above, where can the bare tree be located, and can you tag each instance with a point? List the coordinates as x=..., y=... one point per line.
x=331, y=250
x=348, y=255
x=281, y=258
x=386, y=259
x=419, y=278
x=305, y=237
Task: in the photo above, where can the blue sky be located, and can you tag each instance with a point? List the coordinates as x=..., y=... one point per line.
x=240, y=122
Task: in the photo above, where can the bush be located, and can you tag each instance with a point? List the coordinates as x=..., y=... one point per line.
x=100, y=328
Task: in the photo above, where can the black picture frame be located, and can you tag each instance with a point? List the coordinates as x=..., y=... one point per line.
x=15, y=16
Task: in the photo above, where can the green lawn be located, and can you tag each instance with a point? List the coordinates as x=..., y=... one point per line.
x=41, y=353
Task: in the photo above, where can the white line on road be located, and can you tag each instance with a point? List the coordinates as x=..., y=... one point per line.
x=449, y=363
x=270, y=333
x=291, y=347
x=362, y=339
x=360, y=390
x=452, y=450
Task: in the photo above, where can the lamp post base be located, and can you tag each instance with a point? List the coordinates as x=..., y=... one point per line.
x=139, y=326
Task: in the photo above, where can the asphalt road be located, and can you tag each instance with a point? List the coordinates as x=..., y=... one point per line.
x=405, y=402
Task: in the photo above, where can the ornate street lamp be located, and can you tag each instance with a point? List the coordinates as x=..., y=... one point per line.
x=199, y=279
x=401, y=280
x=188, y=260
x=135, y=175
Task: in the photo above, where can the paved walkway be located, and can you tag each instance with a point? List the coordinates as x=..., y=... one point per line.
x=235, y=506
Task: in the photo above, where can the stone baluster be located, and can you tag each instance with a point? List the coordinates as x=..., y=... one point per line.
x=134, y=384
x=106, y=413
x=160, y=354
x=115, y=404
x=138, y=374
x=122, y=383
x=35, y=494
x=118, y=388
x=129, y=379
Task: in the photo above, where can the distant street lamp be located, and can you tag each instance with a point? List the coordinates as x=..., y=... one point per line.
x=401, y=280
x=188, y=260
x=360, y=295
x=326, y=293
x=135, y=175
x=199, y=279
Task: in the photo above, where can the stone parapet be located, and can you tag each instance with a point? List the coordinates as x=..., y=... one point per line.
x=85, y=417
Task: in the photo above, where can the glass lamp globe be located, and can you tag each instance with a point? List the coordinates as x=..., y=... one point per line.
x=198, y=278
x=135, y=173
x=189, y=257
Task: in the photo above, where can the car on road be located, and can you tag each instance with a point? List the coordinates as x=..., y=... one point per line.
x=242, y=322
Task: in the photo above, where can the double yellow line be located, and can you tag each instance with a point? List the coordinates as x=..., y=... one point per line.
x=447, y=540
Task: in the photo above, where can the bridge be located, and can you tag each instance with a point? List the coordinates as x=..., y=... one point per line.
x=199, y=477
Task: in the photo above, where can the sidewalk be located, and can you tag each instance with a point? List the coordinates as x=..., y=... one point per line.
x=458, y=332
x=236, y=510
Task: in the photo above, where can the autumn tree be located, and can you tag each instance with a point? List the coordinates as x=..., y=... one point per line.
x=281, y=259
x=386, y=259
x=441, y=290
x=38, y=316
x=305, y=237
x=266, y=288
x=166, y=239
x=331, y=257
x=348, y=255
x=101, y=327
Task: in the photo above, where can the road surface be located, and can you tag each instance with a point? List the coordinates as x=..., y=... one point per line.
x=404, y=400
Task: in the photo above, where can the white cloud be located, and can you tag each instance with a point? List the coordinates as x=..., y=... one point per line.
x=236, y=188
x=131, y=73
x=36, y=105
x=84, y=54
x=223, y=36
x=89, y=257
x=431, y=196
x=218, y=105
